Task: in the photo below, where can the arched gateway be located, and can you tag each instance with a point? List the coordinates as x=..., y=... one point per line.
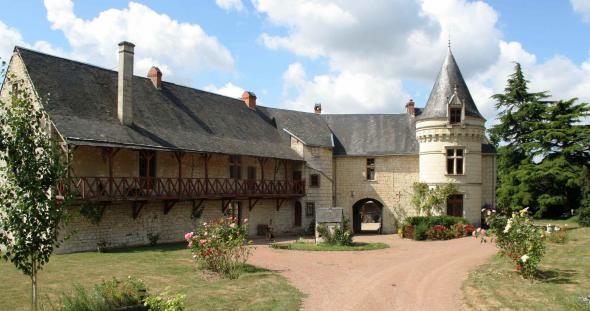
x=367, y=216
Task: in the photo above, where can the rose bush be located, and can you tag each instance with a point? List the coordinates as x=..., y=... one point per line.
x=518, y=238
x=220, y=246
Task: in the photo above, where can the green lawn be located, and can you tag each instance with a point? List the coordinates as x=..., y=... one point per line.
x=564, y=277
x=311, y=246
x=159, y=267
x=571, y=222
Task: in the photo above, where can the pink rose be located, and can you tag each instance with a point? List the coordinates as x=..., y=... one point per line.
x=188, y=236
x=201, y=242
x=190, y=244
x=245, y=220
x=483, y=231
x=206, y=233
x=232, y=225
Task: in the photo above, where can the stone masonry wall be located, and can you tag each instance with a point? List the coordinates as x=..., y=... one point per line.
x=394, y=177
x=117, y=227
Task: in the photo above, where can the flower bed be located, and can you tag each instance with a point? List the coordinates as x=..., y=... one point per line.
x=436, y=228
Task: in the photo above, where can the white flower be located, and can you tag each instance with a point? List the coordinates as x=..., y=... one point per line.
x=524, y=258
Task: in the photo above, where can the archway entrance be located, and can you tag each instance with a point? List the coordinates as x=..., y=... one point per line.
x=367, y=216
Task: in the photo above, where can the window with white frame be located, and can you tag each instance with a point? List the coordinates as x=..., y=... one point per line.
x=455, y=161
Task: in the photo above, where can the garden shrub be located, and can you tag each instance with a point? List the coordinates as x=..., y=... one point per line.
x=439, y=232
x=420, y=231
x=461, y=230
x=165, y=302
x=107, y=295
x=519, y=239
x=338, y=236
x=220, y=246
x=431, y=221
x=559, y=237
x=584, y=216
x=408, y=231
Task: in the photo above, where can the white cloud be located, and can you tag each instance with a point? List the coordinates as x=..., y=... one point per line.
x=583, y=8
x=345, y=92
x=180, y=49
x=11, y=37
x=559, y=75
x=229, y=90
x=229, y=5
x=383, y=42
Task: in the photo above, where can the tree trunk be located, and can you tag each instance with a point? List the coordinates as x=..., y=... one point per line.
x=34, y=286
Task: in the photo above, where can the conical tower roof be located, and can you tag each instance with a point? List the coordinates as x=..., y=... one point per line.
x=448, y=82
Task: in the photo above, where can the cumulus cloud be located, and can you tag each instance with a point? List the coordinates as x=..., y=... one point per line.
x=11, y=37
x=373, y=47
x=180, y=49
x=229, y=90
x=229, y=5
x=382, y=42
x=583, y=8
x=345, y=92
x=559, y=75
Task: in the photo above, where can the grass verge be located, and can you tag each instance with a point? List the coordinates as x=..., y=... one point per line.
x=563, y=280
x=311, y=246
x=159, y=267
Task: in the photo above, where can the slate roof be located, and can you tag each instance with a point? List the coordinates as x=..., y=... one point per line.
x=308, y=127
x=82, y=105
x=448, y=81
x=373, y=134
x=83, y=98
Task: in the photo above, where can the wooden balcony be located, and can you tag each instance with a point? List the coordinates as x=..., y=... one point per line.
x=161, y=188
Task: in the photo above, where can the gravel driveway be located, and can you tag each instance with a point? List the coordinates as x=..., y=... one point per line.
x=407, y=276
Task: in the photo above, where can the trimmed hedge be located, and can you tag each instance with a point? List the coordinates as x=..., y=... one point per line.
x=431, y=221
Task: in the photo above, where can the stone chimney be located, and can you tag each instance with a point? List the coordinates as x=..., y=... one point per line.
x=317, y=108
x=156, y=76
x=410, y=107
x=125, y=84
x=249, y=99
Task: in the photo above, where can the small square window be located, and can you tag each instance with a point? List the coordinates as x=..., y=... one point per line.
x=455, y=161
x=315, y=151
x=370, y=169
x=310, y=209
x=455, y=115
x=314, y=180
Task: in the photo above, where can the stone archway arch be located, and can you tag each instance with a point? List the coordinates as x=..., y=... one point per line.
x=367, y=216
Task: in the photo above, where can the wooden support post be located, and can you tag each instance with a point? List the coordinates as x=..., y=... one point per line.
x=252, y=203
x=168, y=205
x=262, y=162
x=276, y=169
x=179, y=156
x=198, y=208
x=224, y=204
x=136, y=208
x=206, y=158
x=110, y=154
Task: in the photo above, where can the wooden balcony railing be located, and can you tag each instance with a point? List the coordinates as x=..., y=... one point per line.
x=159, y=188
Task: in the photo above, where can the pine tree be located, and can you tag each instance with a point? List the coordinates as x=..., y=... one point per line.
x=541, y=149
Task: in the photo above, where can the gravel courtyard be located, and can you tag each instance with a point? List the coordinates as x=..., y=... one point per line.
x=409, y=275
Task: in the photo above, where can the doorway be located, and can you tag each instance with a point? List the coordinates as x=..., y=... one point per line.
x=455, y=205
x=298, y=210
x=367, y=216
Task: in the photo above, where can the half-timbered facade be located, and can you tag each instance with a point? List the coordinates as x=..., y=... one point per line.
x=156, y=158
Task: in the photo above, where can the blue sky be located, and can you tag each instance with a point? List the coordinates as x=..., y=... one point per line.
x=352, y=57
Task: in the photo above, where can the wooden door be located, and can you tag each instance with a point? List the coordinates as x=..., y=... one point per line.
x=455, y=205
x=298, y=212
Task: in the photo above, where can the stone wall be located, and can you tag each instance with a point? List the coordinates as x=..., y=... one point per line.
x=318, y=160
x=488, y=179
x=118, y=228
x=394, y=177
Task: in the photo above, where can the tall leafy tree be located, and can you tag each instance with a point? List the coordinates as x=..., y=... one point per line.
x=541, y=148
x=31, y=165
x=584, y=214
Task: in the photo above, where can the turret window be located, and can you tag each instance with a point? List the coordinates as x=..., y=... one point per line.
x=455, y=115
x=455, y=161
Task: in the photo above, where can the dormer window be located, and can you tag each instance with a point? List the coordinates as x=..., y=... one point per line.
x=455, y=115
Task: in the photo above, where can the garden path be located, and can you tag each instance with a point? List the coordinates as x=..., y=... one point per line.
x=409, y=275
